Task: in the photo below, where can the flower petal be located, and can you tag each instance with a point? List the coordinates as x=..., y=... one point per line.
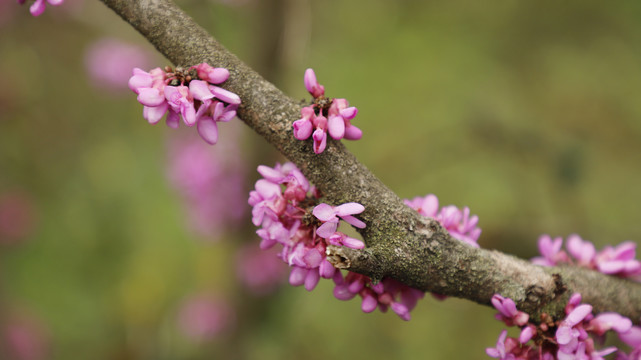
x=224, y=95
x=208, y=130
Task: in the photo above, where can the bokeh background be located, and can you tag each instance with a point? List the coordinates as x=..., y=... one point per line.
x=121, y=240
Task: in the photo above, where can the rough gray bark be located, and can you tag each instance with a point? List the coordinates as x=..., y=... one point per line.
x=400, y=243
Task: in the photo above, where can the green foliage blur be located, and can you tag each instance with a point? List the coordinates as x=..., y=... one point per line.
x=527, y=112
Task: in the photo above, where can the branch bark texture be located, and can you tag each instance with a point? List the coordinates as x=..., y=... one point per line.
x=400, y=243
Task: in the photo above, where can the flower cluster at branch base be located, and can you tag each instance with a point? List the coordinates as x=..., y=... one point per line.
x=325, y=115
x=457, y=222
x=190, y=94
x=618, y=261
x=39, y=6
x=571, y=338
x=287, y=209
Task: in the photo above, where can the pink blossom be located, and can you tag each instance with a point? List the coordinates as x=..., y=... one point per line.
x=508, y=312
x=211, y=74
x=340, y=116
x=570, y=338
x=314, y=88
x=39, y=6
x=179, y=94
x=329, y=216
x=458, y=222
x=323, y=116
x=551, y=251
x=282, y=204
x=619, y=260
x=304, y=126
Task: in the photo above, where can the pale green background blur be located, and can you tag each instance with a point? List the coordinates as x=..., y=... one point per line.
x=527, y=112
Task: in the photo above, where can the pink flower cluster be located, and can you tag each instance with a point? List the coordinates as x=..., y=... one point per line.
x=458, y=222
x=190, y=94
x=286, y=208
x=571, y=338
x=39, y=6
x=618, y=261
x=325, y=115
x=388, y=293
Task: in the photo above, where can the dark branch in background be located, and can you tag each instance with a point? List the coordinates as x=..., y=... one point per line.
x=401, y=244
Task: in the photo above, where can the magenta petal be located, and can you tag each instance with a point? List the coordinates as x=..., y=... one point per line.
x=342, y=293
x=270, y=174
x=189, y=113
x=150, y=97
x=336, y=127
x=369, y=304
x=320, y=141
x=310, y=80
x=311, y=280
x=526, y=335
x=267, y=189
x=401, y=310
x=38, y=7
x=139, y=81
x=353, y=243
x=208, y=130
x=173, y=119
x=227, y=116
x=625, y=251
x=218, y=75
x=324, y=212
x=55, y=2
x=200, y=90
x=632, y=337
x=349, y=113
x=353, y=133
x=153, y=114
x=313, y=258
x=353, y=221
x=611, y=267
x=578, y=314
x=356, y=286
x=327, y=229
x=326, y=269
x=564, y=335
x=297, y=276
x=349, y=209
x=224, y=95
x=302, y=129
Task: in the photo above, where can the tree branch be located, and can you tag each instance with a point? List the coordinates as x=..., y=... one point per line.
x=401, y=244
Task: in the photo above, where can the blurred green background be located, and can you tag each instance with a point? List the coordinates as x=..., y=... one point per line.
x=527, y=112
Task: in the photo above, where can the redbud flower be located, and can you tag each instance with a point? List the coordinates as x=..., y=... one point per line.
x=190, y=94
x=323, y=116
x=551, y=251
x=508, y=312
x=314, y=88
x=458, y=222
x=329, y=216
x=39, y=6
x=570, y=338
x=284, y=206
x=619, y=261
